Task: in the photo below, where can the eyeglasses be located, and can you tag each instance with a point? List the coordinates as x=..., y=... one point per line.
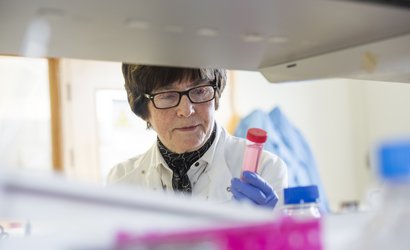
x=170, y=99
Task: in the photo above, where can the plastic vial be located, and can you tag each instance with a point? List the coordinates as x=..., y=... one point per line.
x=390, y=222
x=256, y=137
x=302, y=202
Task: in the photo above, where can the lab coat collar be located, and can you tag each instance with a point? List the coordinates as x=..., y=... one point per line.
x=217, y=174
x=159, y=162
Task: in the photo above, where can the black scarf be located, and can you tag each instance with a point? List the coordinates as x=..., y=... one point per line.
x=180, y=163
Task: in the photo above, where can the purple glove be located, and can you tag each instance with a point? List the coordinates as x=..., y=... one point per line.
x=255, y=189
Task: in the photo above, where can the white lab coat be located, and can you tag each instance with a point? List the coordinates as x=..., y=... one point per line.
x=210, y=176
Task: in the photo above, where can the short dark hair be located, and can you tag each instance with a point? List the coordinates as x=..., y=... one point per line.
x=141, y=79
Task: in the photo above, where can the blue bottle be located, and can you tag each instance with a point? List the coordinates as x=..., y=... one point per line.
x=302, y=202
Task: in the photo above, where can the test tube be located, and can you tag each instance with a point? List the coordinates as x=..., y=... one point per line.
x=255, y=138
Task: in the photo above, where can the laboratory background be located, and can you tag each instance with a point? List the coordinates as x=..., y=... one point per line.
x=341, y=120
x=64, y=113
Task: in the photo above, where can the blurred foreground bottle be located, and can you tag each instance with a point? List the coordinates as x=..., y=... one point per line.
x=389, y=227
x=302, y=202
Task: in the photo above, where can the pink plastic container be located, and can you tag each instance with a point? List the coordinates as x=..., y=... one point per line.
x=256, y=137
x=282, y=234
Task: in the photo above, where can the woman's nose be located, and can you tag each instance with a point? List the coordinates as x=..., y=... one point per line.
x=185, y=107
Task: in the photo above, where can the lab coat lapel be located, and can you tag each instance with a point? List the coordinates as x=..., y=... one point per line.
x=156, y=177
x=219, y=178
x=218, y=173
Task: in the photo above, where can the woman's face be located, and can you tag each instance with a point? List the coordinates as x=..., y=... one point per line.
x=186, y=127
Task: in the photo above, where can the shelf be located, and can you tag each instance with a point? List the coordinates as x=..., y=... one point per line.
x=240, y=34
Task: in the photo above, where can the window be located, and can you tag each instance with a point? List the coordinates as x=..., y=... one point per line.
x=25, y=138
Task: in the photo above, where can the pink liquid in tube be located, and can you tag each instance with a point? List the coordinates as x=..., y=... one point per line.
x=251, y=157
x=256, y=137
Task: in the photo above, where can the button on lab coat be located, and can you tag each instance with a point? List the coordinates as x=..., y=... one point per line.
x=210, y=176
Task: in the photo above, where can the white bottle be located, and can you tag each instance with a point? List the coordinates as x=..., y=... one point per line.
x=302, y=202
x=389, y=227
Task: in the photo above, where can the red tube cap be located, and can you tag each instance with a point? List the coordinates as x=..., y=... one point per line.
x=257, y=135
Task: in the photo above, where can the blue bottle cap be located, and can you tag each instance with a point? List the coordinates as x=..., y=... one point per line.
x=298, y=195
x=394, y=160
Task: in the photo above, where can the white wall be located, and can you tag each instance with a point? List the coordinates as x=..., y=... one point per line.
x=389, y=110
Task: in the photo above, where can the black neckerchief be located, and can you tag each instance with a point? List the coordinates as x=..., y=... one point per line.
x=180, y=163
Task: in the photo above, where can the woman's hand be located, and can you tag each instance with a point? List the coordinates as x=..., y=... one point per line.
x=255, y=189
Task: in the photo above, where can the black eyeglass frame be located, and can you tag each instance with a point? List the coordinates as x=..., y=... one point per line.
x=181, y=93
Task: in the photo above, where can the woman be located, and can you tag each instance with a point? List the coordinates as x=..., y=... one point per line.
x=192, y=154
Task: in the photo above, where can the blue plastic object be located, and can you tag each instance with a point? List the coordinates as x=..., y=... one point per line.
x=298, y=195
x=394, y=160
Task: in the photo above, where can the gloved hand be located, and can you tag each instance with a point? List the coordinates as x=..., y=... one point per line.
x=252, y=187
